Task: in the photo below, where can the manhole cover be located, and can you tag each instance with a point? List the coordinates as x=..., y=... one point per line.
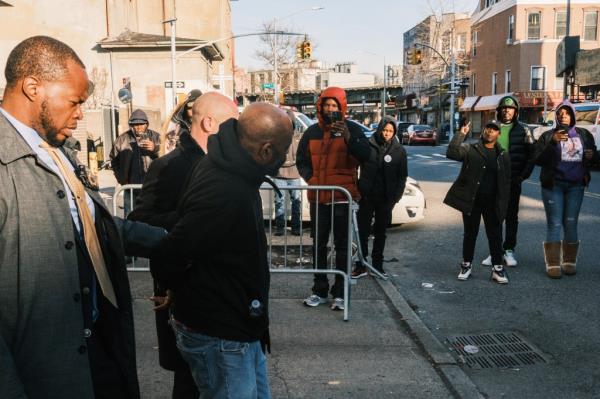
x=496, y=350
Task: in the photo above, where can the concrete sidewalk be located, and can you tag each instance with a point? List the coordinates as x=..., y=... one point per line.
x=383, y=351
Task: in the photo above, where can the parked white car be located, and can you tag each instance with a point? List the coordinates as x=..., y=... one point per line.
x=410, y=209
x=587, y=115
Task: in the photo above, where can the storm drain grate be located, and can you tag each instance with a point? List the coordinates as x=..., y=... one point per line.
x=496, y=350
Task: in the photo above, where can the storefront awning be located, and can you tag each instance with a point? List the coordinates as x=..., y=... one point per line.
x=468, y=104
x=487, y=103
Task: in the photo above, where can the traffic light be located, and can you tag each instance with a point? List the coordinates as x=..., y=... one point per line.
x=418, y=58
x=409, y=56
x=300, y=51
x=306, y=50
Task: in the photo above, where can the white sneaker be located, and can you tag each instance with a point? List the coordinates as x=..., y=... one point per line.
x=465, y=271
x=338, y=304
x=499, y=274
x=509, y=258
x=487, y=261
x=314, y=300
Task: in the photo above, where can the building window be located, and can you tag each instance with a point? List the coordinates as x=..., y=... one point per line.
x=538, y=78
x=507, y=81
x=558, y=83
x=511, y=27
x=494, y=83
x=560, y=24
x=590, y=25
x=474, y=84
x=461, y=41
x=474, y=43
x=533, y=25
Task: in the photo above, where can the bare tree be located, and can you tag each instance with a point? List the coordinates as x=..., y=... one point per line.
x=278, y=49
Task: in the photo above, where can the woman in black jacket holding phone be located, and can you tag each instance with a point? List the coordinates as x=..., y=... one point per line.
x=565, y=154
x=381, y=185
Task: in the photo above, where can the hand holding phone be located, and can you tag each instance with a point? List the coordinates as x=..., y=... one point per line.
x=560, y=135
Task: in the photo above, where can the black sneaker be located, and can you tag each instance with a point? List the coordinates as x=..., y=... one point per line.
x=278, y=231
x=359, y=272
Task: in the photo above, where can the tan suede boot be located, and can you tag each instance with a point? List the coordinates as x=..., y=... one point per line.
x=552, y=258
x=569, y=261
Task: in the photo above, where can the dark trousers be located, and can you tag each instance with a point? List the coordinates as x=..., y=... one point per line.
x=381, y=209
x=321, y=227
x=184, y=386
x=484, y=205
x=512, y=217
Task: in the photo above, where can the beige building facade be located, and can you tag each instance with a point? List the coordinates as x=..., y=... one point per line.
x=514, y=51
x=127, y=39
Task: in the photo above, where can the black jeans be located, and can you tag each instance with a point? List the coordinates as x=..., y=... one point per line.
x=484, y=205
x=381, y=208
x=320, y=233
x=512, y=217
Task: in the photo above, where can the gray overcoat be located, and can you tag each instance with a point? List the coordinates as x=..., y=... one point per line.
x=42, y=346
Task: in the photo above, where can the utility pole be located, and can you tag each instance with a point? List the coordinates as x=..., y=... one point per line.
x=172, y=21
x=384, y=93
x=452, y=93
x=566, y=72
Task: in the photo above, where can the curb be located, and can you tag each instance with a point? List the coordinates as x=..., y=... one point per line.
x=452, y=374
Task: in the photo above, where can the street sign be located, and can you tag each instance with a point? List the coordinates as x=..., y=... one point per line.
x=180, y=84
x=268, y=86
x=125, y=95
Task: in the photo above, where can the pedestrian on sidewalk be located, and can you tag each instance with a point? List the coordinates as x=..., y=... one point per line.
x=215, y=257
x=482, y=189
x=289, y=176
x=66, y=320
x=132, y=153
x=179, y=120
x=157, y=205
x=565, y=154
x=515, y=138
x=329, y=153
x=381, y=184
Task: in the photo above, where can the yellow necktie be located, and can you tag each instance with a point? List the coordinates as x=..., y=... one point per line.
x=89, y=228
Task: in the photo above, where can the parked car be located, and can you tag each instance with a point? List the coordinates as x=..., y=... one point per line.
x=587, y=116
x=301, y=121
x=401, y=128
x=410, y=209
x=418, y=134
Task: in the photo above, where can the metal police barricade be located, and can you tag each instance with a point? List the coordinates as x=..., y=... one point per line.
x=293, y=254
x=127, y=191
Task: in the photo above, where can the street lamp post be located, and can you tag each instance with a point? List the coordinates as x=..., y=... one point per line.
x=173, y=21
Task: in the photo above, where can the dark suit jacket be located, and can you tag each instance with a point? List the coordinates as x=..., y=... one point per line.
x=157, y=205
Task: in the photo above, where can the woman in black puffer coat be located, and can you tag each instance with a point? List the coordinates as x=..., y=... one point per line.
x=381, y=185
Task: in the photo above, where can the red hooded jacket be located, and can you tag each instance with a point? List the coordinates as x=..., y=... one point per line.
x=325, y=158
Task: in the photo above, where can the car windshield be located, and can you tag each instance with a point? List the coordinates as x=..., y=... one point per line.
x=305, y=119
x=421, y=127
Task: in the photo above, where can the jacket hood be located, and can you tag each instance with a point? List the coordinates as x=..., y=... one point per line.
x=225, y=150
x=180, y=116
x=138, y=117
x=508, y=101
x=384, y=121
x=569, y=106
x=337, y=94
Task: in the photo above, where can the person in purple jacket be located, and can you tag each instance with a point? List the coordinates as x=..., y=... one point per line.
x=565, y=154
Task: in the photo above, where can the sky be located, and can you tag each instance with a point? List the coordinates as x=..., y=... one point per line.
x=344, y=30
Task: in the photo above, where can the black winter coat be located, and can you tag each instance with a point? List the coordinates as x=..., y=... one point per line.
x=461, y=195
x=157, y=205
x=546, y=157
x=391, y=163
x=521, y=149
x=217, y=250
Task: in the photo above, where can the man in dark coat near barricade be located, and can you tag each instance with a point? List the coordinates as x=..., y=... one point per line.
x=157, y=205
x=381, y=184
x=66, y=322
x=215, y=257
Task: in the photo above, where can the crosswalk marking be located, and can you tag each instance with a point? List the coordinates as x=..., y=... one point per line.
x=423, y=156
x=439, y=155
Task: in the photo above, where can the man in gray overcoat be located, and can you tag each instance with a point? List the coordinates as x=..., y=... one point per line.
x=66, y=325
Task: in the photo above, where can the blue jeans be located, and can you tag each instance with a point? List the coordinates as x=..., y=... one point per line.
x=280, y=203
x=562, y=204
x=224, y=369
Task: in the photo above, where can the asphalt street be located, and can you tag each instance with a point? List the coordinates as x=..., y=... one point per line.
x=560, y=318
